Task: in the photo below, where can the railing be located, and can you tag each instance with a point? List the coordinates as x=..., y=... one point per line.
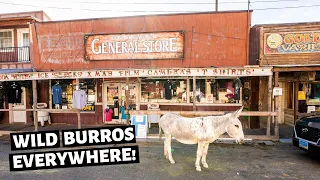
x=14, y=54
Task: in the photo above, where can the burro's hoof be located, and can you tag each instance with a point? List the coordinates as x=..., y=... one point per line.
x=205, y=165
x=172, y=162
x=198, y=168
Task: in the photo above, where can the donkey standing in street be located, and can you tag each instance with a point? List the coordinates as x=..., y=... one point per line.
x=199, y=130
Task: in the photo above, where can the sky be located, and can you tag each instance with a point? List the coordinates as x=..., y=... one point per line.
x=264, y=11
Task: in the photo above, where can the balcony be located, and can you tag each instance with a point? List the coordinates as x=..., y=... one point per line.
x=14, y=54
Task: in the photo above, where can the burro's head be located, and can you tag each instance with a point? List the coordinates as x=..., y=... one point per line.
x=234, y=127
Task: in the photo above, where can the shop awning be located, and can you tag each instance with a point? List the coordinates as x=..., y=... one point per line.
x=13, y=75
x=9, y=71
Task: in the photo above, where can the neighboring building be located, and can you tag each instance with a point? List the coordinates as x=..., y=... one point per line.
x=293, y=50
x=16, y=56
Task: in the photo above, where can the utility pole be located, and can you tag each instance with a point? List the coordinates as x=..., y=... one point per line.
x=217, y=5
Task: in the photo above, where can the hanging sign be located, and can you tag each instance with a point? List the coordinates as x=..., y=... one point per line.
x=292, y=42
x=167, y=72
x=155, y=45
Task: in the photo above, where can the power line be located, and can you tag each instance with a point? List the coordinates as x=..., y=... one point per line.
x=158, y=3
x=143, y=11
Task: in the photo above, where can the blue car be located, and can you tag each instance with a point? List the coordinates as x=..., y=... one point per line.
x=306, y=135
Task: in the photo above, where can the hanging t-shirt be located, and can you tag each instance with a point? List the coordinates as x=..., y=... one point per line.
x=57, y=94
x=108, y=114
x=168, y=88
x=79, y=99
x=14, y=93
x=237, y=86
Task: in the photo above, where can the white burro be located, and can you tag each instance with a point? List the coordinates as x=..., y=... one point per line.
x=199, y=130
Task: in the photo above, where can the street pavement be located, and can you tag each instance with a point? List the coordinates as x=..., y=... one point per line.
x=226, y=161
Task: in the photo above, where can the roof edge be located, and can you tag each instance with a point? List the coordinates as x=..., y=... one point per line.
x=147, y=15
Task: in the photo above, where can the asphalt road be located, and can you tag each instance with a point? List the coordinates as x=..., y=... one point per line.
x=256, y=162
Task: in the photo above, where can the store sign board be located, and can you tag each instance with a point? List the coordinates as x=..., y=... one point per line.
x=292, y=42
x=155, y=45
x=175, y=72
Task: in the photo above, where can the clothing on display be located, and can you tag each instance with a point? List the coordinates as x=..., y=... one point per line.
x=168, y=88
x=14, y=93
x=57, y=94
x=215, y=89
x=237, y=86
x=79, y=99
x=108, y=114
x=246, y=94
x=123, y=113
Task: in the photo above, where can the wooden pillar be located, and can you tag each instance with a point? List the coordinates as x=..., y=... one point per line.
x=79, y=120
x=217, y=5
x=276, y=104
x=78, y=113
x=35, y=99
x=194, y=93
x=50, y=94
x=269, y=104
x=295, y=102
x=127, y=98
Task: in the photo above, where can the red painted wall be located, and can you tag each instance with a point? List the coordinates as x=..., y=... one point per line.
x=219, y=39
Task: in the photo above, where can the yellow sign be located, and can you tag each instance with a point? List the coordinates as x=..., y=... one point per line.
x=301, y=95
x=88, y=108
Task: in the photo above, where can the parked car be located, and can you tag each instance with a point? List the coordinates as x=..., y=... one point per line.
x=306, y=135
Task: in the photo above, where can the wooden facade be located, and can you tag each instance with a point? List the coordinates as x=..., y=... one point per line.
x=213, y=39
x=293, y=51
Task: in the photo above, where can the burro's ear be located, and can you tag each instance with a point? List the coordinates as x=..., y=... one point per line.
x=237, y=113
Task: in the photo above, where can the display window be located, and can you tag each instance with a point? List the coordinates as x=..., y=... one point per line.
x=67, y=87
x=208, y=91
x=164, y=90
x=216, y=91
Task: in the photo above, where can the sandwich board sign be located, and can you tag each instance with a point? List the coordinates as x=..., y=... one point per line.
x=141, y=125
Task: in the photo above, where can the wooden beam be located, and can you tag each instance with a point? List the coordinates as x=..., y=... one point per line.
x=35, y=99
x=217, y=5
x=295, y=102
x=45, y=110
x=292, y=69
x=269, y=104
x=276, y=104
x=79, y=120
x=194, y=93
x=127, y=98
x=205, y=113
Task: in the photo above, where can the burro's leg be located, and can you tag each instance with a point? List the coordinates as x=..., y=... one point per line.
x=165, y=150
x=199, y=154
x=204, y=155
x=168, y=144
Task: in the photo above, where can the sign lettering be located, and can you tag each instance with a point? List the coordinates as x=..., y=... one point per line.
x=287, y=43
x=160, y=45
x=175, y=72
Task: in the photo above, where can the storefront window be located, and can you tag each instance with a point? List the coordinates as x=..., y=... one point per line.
x=215, y=91
x=164, y=90
x=68, y=86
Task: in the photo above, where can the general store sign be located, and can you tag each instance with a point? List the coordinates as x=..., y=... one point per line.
x=158, y=45
x=295, y=42
x=175, y=72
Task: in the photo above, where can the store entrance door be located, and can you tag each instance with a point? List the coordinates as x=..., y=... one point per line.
x=111, y=98
x=20, y=116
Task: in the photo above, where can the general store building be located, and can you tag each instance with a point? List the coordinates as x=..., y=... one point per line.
x=126, y=63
